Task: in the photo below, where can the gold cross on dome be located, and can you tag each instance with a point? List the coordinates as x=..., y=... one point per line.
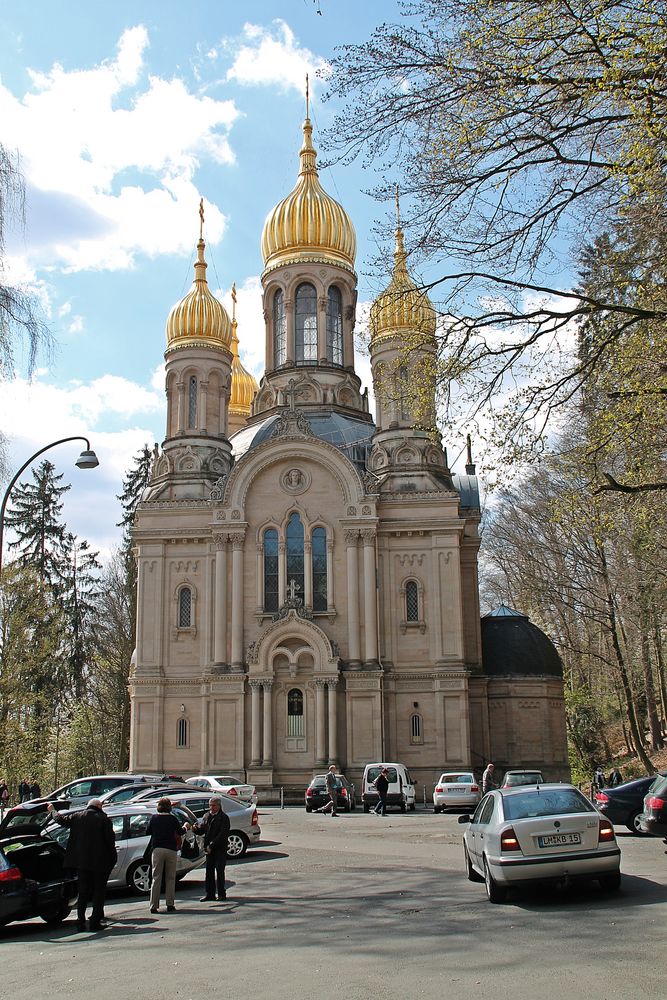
x=201, y=218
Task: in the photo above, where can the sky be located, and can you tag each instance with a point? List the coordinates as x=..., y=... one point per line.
x=124, y=115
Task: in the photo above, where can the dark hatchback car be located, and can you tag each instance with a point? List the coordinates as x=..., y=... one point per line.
x=653, y=820
x=624, y=804
x=317, y=795
x=33, y=882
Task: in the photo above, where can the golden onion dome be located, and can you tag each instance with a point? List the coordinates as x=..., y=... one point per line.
x=308, y=225
x=402, y=306
x=244, y=385
x=199, y=319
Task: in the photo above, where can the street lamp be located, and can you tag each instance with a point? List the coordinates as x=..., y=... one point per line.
x=86, y=460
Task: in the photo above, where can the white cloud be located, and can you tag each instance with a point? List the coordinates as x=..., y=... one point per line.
x=273, y=57
x=81, y=132
x=76, y=326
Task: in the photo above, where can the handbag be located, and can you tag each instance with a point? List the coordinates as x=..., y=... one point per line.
x=190, y=849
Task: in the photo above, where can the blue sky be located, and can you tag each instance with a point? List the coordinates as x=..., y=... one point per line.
x=124, y=116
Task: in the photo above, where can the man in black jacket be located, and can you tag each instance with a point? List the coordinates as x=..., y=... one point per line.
x=215, y=825
x=91, y=850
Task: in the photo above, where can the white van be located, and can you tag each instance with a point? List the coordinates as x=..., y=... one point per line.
x=401, y=791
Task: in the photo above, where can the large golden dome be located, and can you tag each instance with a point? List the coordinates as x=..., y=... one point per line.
x=199, y=319
x=244, y=385
x=402, y=306
x=308, y=225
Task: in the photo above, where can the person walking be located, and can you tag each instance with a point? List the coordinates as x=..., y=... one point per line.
x=4, y=795
x=34, y=792
x=488, y=779
x=216, y=827
x=332, y=791
x=24, y=790
x=166, y=834
x=91, y=850
x=381, y=785
x=599, y=780
x=615, y=778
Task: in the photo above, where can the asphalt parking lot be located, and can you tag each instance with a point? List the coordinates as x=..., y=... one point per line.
x=359, y=907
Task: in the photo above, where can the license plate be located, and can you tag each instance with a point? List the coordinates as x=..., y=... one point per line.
x=453, y=788
x=559, y=839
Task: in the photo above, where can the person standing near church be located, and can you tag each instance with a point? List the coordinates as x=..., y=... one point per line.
x=166, y=834
x=382, y=787
x=488, y=779
x=332, y=791
x=91, y=850
x=216, y=827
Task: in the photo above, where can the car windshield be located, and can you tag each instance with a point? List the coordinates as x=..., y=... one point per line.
x=525, y=778
x=545, y=802
x=462, y=779
x=373, y=772
x=227, y=779
x=659, y=786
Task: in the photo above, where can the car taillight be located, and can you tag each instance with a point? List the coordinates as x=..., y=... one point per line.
x=438, y=788
x=309, y=793
x=606, y=832
x=12, y=874
x=508, y=840
x=343, y=792
x=601, y=797
x=474, y=788
x=254, y=821
x=653, y=802
x=232, y=791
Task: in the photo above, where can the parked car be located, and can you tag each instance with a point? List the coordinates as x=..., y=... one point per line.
x=513, y=778
x=126, y=792
x=317, y=795
x=551, y=833
x=225, y=783
x=245, y=830
x=401, y=791
x=33, y=881
x=130, y=827
x=653, y=819
x=82, y=790
x=455, y=790
x=624, y=804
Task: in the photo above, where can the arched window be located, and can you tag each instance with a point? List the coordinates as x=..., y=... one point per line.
x=295, y=553
x=271, y=570
x=192, y=401
x=185, y=608
x=295, y=726
x=279, y=330
x=319, y=568
x=182, y=733
x=335, y=326
x=411, y=601
x=416, y=728
x=305, y=325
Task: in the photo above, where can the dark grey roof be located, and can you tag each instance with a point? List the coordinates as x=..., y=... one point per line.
x=467, y=488
x=351, y=436
x=512, y=645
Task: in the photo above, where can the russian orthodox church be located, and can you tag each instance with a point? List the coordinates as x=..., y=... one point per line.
x=307, y=576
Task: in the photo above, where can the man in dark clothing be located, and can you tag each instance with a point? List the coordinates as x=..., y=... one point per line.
x=35, y=791
x=24, y=790
x=382, y=787
x=331, y=782
x=91, y=850
x=215, y=825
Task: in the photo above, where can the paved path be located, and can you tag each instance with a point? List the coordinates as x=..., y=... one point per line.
x=360, y=907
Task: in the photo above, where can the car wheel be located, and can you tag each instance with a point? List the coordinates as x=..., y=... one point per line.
x=55, y=916
x=473, y=876
x=348, y=806
x=610, y=883
x=633, y=824
x=404, y=807
x=237, y=844
x=353, y=805
x=309, y=809
x=367, y=808
x=436, y=809
x=139, y=877
x=494, y=892
x=413, y=806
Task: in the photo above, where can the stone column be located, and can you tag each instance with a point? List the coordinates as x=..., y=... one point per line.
x=237, y=601
x=333, y=735
x=180, y=409
x=308, y=573
x=370, y=599
x=255, y=731
x=220, y=600
x=282, y=571
x=267, y=755
x=320, y=721
x=260, y=577
x=202, y=404
x=351, y=540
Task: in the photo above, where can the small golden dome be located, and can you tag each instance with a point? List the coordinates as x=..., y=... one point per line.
x=402, y=306
x=244, y=385
x=199, y=319
x=308, y=225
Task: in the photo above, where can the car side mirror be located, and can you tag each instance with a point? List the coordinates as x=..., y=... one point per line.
x=465, y=818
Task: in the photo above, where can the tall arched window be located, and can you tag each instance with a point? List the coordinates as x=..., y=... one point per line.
x=271, y=570
x=295, y=553
x=305, y=325
x=335, y=326
x=295, y=726
x=192, y=401
x=182, y=733
x=185, y=608
x=279, y=330
x=319, y=568
x=411, y=601
x=416, y=728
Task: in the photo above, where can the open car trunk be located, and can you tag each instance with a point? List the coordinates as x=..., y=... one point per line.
x=39, y=860
x=44, y=888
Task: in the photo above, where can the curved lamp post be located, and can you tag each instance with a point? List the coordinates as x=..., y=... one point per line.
x=86, y=460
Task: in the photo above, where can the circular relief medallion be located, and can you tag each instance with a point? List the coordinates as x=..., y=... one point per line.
x=295, y=481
